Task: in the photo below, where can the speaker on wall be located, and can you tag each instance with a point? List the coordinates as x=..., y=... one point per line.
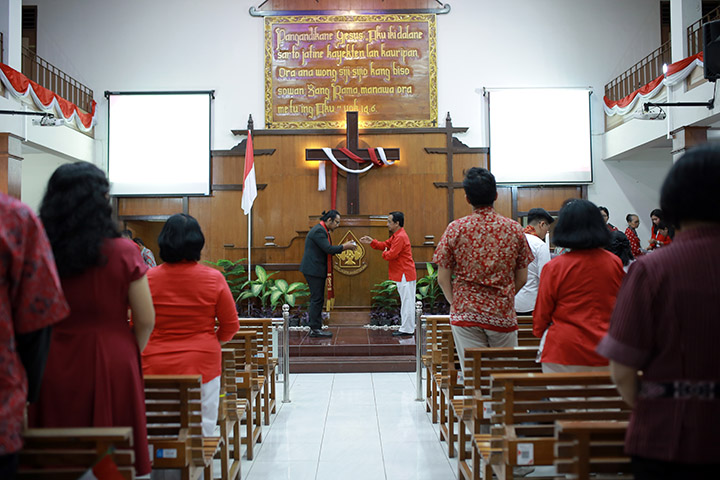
x=711, y=49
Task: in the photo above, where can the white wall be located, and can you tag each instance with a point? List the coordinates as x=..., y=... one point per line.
x=173, y=45
x=37, y=169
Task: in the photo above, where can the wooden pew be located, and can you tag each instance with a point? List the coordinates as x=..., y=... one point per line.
x=451, y=399
x=230, y=413
x=525, y=407
x=249, y=386
x=432, y=361
x=480, y=365
x=174, y=424
x=67, y=453
x=267, y=364
x=587, y=449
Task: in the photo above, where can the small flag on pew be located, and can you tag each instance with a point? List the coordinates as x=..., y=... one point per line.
x=105, y=469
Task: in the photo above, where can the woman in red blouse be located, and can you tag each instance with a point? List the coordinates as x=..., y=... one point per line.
x=188, y=297
x=577, y=292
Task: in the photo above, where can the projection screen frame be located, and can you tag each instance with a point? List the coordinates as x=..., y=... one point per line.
x=486, y=91
x=211, y=97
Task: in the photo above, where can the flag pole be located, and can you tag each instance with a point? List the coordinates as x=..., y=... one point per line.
x=249, y=227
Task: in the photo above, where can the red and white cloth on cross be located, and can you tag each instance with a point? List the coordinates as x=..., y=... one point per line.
x=374, y=162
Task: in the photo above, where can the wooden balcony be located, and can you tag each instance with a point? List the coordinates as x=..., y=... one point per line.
x=47, y=75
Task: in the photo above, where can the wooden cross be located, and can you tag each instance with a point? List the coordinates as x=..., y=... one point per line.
x=352, y=142
x=452, y=145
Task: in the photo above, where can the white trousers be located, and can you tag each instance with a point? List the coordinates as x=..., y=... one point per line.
x=210, y=397
x=406, y=290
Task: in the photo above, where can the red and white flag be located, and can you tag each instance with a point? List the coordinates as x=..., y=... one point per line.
x=249, y=184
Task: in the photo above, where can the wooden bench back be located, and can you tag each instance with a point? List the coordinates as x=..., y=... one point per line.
x=228, y=407
x=585, y=448
x=542, y=398
x=435, y=324
x=263, y=327
x=174, y=419
x=482, y=363
x=67, y=453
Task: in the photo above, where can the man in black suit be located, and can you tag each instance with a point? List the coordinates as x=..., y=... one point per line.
x=316, y=264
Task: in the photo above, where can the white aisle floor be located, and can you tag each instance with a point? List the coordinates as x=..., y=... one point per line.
x=352, y=426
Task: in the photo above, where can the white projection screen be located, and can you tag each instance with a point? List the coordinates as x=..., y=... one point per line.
x=540, y=136
x=159, y=143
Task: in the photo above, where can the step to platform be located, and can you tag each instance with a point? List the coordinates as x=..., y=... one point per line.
x=360, y=364
x=351, y=349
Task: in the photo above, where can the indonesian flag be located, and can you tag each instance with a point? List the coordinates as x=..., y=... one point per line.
x=249, y=184
x=105, y=469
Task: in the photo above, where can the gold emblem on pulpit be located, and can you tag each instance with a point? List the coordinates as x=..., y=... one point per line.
x=351, y=262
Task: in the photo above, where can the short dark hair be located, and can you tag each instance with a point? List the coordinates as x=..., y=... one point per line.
x=328, y=215
x=620, y=246
x=480, y=187
x=581, y=227
x=689, y=191
x=538, y=214
x=657, y=213
x=181, y=239
x=126, y=233
x=398, y=217
x=139, y=241
x=604, y=209
x=628, y=217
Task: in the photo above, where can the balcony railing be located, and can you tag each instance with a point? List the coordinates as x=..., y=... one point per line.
x=695, y=32
x=643, y=72
x=54, y=79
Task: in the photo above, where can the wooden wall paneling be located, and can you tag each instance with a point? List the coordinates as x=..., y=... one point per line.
x=148, y=232
x=549, y=198
x=228, y=170
x=149, y=206
x=201, y=209
x=503, y=204
x=10, y=165
x=226, y=222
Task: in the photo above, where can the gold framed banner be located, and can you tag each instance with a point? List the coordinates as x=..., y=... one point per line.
x=319, y=67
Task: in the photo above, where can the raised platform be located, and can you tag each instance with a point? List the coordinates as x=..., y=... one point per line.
x=351, y=349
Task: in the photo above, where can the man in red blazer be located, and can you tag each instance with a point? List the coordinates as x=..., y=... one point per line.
x=401, y=266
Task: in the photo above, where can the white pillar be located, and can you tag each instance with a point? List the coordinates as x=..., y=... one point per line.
x=11, y=28
x=683, y=13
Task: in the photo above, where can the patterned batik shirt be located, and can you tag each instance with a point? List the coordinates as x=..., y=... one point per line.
x=632, y=237
x=30, y=299
x=484, y=250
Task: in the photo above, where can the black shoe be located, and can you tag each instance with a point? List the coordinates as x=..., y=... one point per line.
x=320, y=333
x=402, y=334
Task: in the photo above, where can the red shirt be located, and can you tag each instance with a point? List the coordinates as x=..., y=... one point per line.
x=30, y=299
x=398, y=253
x=576, y=296
x=666, y=324
x=484, y=250
x=188, y=297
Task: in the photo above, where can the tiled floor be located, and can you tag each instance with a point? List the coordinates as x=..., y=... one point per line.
x=366, y=426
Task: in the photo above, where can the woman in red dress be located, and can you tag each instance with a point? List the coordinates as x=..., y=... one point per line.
x=188, y=299
x=93, y=376
x=577, y=292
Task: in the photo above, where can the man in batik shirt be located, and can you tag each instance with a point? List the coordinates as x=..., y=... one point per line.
x=489, y=256
x=31, y=299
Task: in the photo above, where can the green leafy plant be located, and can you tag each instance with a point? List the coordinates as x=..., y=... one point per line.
x=385, y=306
x=281, y=292
x=260, y=288
x=429, y=292
x=234, y=273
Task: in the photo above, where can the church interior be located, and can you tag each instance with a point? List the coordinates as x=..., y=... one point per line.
x=363, y=123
